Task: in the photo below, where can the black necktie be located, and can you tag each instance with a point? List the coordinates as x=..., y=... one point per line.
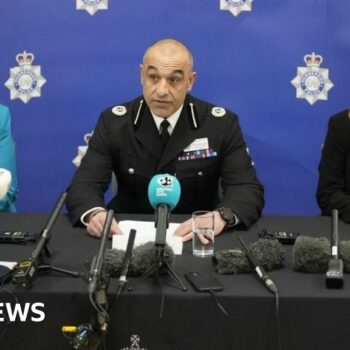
x=164, y=133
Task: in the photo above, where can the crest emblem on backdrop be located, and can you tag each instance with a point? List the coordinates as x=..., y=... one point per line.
x=25, y=80
x=92, y=6
x=82, y=150
x=135, y=340
x=312, y=82
x=236, y=6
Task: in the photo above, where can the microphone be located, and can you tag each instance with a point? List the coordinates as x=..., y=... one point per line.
x=143, y=258
x=163, y=193
x=334, y=274
x=258, y=269
x=96, y=265
x=311, y=254
x=126, y=262
x=27, y=269
x=269, y=252
x=112, y=262
x=5, y=182
x=344, y=254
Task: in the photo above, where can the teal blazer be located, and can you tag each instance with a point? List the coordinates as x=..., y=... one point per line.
x=7, y=159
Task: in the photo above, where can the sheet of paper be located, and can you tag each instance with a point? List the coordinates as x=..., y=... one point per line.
x=145, y=232
x=9, y=264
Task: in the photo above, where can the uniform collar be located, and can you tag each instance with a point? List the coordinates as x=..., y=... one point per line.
x=172, y=119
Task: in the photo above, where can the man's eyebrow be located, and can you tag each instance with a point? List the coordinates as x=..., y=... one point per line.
x=176, y=71
x=151, y=68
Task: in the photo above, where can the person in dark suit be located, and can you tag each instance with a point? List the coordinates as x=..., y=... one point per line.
x=333, y=190
x=201, y=144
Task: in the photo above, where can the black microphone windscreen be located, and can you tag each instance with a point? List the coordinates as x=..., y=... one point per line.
x=231, y=261
x=113, y=260
x=145, y=258
x=269, y=253
x=311, y=254
x=344, y=254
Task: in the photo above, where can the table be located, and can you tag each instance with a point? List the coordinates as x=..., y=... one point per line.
x=311, y=316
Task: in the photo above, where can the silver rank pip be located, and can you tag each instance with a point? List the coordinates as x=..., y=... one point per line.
x=25, y=80
x=92, y=6
x=312, y=82
x=236, y=6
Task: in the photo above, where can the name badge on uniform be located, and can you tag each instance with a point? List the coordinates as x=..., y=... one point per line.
x=197, y=145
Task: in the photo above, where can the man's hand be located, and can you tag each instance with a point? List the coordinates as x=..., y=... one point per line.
x=96, y=223
x=185, y=229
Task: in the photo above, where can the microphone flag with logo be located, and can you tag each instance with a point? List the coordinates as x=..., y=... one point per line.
x=163, y=193
x=164, y=189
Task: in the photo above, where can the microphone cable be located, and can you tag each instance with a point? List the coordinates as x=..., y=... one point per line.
x=101, y=311
x=3, y=280
x=268, y=283
x=218, y=304
x=277, y=317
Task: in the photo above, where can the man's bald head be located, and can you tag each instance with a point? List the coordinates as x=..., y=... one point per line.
x=170, y=48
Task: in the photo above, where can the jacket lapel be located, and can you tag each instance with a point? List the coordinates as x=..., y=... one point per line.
x=147, y=134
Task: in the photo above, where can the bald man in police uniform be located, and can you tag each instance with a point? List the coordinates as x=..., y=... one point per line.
x=200, y=144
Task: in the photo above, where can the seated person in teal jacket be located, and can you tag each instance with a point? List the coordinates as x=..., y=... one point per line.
x=7, y=159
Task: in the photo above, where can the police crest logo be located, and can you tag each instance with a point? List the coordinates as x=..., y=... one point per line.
x=236, y=6
x=25, y=80
x=312, y=82
x=135, y=343
x=82, y=150
x=92, y=6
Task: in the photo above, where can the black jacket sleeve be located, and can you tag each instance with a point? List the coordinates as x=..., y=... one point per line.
x=333, y=191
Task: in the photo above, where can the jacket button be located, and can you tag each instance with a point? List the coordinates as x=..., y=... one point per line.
x=131, y=171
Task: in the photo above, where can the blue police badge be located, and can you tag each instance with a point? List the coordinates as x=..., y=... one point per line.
x=25, y=80
x=312, y=82
x=236, y=6
x=92, y=6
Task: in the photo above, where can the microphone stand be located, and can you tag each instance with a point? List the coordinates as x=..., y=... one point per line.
x=335, y=274
x=98, y=284
x=162, y=265
x=27, y=269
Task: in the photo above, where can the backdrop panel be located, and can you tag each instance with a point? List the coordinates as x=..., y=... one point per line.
x=244, y=63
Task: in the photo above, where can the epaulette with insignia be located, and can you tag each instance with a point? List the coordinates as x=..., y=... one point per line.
x=218, y=112
x=119, y=111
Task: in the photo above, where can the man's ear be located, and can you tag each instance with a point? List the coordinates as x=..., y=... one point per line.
x=141, y=70
x=191, y=81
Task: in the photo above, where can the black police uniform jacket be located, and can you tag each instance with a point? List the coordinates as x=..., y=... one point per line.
x=333, y=191
x=127, y=142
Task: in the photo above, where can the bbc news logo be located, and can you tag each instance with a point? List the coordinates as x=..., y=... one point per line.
x=22, y=312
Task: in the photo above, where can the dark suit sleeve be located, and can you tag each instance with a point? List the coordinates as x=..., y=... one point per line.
x=331, y=190
x=242, y=191
x=93, y=177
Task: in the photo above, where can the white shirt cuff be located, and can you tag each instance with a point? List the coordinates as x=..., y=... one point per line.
x=82, y=218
